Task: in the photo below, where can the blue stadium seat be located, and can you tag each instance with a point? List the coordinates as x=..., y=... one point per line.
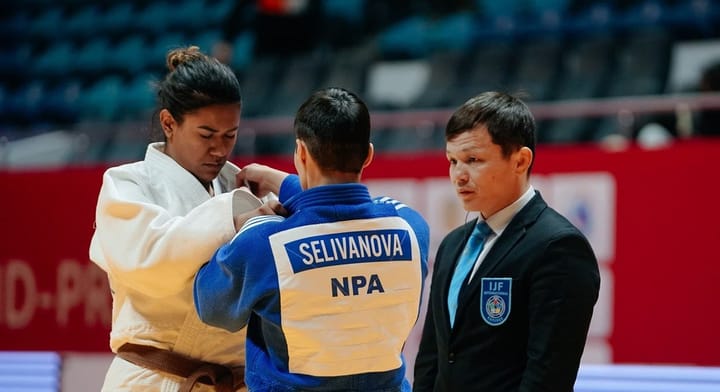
x=49, y=25
x=15, y=25
x=137, y=97
x=349, y=11
x=101, y=100
x=4, y=106
x=158, y=49
x=91, y=59
x=83, y=23
x=14, y=61
x=39, y=3
x=117, y=19
x=243, y=48
x=701, y=17
x=499, y=19
x=596, y=18
x=640, y=15
x=60, y=45
x=452, y=32
x=153, y=18
x=343, y=21
x=543, y=17
x=129, y=55
x=507, y=8
x=55, y=61
x=23, y=103
x=60, y=102
x=205, y=39
x=216, y=11
x=407, y=38
x=188, y=15
x=538, y=6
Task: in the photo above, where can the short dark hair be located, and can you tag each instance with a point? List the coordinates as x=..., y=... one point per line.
x=334, y=124
x=509, y=121
x=194, y=81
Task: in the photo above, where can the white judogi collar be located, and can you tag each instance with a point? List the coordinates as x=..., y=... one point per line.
x=193, y=191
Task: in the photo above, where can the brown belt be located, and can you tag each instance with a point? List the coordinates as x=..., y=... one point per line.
x=225, y=379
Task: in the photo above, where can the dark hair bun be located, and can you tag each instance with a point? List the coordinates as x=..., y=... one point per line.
x=183, y=55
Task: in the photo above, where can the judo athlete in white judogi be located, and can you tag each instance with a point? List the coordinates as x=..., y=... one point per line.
x=157, y=222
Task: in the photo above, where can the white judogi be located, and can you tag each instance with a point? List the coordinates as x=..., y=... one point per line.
x=155, y=226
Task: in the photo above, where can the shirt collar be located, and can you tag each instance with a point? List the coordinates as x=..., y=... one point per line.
x=501, y=219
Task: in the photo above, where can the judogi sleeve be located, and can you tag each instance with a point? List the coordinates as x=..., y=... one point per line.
x=147, y=248
x=238, y=276
x=289, y=188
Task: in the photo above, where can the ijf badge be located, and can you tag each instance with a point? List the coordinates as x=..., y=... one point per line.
x=495, y=300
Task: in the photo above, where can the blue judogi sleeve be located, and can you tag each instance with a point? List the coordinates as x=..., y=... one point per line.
x=223, y=294
x=289, y=188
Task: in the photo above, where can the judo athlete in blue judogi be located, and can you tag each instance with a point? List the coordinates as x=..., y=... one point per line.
x=329, y=294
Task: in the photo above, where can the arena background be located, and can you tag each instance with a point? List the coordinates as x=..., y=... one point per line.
x=625, y=151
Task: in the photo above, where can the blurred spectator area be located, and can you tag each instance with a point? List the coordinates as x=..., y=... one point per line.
x=85, y=69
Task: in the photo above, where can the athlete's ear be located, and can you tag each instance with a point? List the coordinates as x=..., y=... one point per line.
x=167, y=122
x=300, y=156
x=301, y=151
x=370, y=156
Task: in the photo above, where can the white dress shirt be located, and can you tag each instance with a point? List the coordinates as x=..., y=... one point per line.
x=498, y=222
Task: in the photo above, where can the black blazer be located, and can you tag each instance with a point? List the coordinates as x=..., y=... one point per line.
x=555, y=284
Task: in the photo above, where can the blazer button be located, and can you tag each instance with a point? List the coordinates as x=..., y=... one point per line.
x=451, y=358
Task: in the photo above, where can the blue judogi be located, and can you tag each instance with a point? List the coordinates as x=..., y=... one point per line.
x=329, y=295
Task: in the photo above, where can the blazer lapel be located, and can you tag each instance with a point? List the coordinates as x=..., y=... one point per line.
x=512, y=234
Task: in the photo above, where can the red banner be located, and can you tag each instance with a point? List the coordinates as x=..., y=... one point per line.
x=51, y=296
x=664, y=267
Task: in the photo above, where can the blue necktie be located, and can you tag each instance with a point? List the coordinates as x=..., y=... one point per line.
x=472, y=250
